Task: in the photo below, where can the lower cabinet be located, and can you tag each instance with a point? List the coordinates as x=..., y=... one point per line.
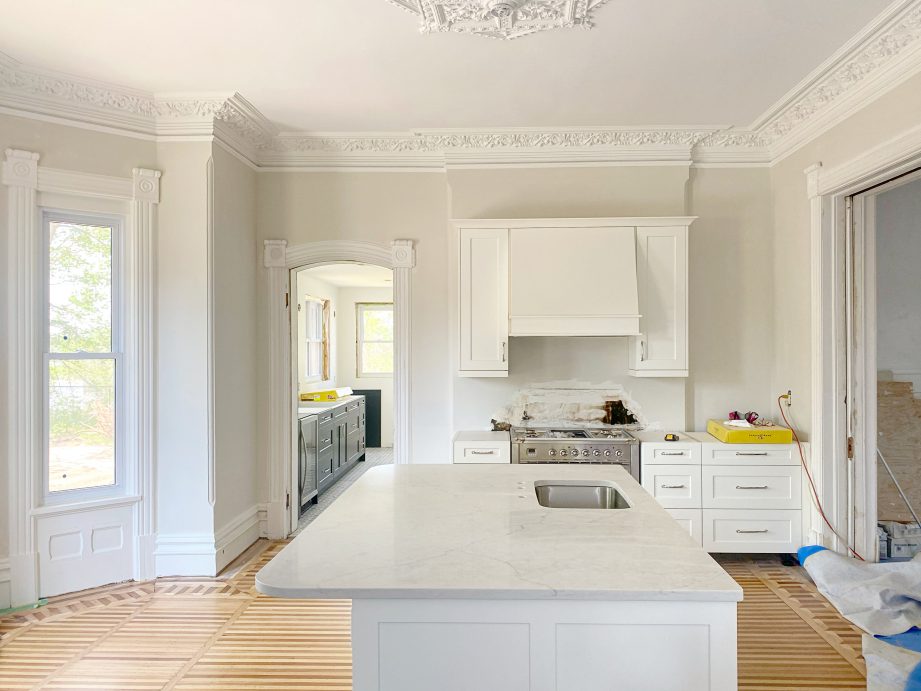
x=729, y=497
x=341, y=442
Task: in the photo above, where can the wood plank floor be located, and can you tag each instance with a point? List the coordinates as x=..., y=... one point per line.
x=210, y=634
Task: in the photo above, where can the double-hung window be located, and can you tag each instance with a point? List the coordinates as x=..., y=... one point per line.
x=375, y=339
x=82, y=355
x=316, y=339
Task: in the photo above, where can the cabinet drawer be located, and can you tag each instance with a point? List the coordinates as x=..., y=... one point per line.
x=674, y=486
x=691, y=520
x=482, y=452
x=325, y=416
x=670, y=453
x=732, y=530
x=752, y=487
x=326, y=433
x=756, y=454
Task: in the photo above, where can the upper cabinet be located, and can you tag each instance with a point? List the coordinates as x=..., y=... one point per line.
x=574, y=277
x=483, y=302
x=661, y=348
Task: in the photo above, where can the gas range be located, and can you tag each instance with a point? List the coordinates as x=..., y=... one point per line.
x=609, y=445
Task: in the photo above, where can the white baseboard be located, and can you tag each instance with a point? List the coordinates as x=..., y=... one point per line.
x=5, y=583
x=23, y=579
x=203, y=554
x=263, y=520
x=185, y=554
x=238, y=534
x=146, y=560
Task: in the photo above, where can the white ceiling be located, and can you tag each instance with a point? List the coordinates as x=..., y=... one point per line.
x=353, y=275
x=346, y=65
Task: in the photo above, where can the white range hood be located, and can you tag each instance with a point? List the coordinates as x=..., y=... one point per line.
x=573, y=279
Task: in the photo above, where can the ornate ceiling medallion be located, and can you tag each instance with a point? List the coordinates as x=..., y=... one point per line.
x=504, y=19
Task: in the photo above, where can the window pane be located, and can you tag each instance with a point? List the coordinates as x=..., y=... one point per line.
x=80, y=288
x=378, y=324
x=81, y=424
x=377, y=358
x=314, y=359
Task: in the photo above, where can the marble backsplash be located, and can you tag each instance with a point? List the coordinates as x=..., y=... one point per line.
x=567, y=403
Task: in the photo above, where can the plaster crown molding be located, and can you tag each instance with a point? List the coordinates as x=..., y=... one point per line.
x=501, y=19
x=873, y=57
x=20, y=168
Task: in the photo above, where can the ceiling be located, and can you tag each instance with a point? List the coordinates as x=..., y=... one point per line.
x=353, y=275
x=362, y=65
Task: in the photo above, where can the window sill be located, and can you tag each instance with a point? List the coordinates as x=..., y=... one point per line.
x=89, y=505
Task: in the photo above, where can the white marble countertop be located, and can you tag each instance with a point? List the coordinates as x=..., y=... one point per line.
x=477, y=531
x=312, y=407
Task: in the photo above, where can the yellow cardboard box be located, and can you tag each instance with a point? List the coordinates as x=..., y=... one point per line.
x=327, y=395
x=749, y=435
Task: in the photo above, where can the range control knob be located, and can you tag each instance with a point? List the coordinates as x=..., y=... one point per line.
x=618, y=453
x=552, y=452
x=574, y=453
x=585, y=452
x=563, y=452
x=607, y=452
x=596, y=452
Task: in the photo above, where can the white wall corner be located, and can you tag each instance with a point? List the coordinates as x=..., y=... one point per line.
x=403, y=254
x=274, y=254
x=185, y=554
x=263, y=520
x=20, y=168
x=146, y=185
x=233, y=538
x=4, y=583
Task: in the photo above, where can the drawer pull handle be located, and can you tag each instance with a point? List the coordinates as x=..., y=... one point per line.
x=751, y=486
x=751, y=453
x=483, y=453
x=746, y=532
x=672, y=486
x=672, y=453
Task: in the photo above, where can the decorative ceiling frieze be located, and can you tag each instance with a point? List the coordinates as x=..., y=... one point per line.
x=886, y=53
x=503, y=19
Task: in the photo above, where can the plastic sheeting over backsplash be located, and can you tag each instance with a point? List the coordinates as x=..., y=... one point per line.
x=567, y=403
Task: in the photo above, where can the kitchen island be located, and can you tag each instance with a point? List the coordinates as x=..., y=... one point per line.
x=462, y=581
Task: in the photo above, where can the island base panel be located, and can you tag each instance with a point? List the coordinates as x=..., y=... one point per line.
x=536, y=645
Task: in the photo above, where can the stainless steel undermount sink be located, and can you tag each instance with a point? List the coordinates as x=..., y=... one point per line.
x=579, y=494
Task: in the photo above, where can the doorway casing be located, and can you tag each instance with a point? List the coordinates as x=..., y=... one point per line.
x=844, y=355
x=279, y=259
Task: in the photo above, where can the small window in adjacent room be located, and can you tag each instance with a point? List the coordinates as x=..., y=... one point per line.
x=375, y=339
x=316, y=367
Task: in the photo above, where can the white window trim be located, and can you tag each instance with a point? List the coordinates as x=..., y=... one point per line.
x=29, y=188
x=360, y=308
x=324, y=345
x=117, y=354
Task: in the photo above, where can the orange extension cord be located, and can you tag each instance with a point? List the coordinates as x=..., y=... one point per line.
x=815, y=494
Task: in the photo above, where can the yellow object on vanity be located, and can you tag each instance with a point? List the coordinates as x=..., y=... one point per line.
x=749, y=435
x=327, y=394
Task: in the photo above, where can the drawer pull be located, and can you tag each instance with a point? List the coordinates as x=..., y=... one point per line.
x=746, y=532
x=672, y=453
x=483, y=453
x=751, y=486
x=751, y=453
x=672, y=486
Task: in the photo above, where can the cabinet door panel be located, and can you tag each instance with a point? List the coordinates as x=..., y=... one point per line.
x=661, y=258
x=484, y=300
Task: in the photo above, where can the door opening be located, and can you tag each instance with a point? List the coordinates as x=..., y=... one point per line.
x=883, y=396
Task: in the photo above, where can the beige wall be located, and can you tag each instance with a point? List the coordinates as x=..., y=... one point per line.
x=882, y=120
x=307, y=207
x=182, y=304
x=234, y=294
